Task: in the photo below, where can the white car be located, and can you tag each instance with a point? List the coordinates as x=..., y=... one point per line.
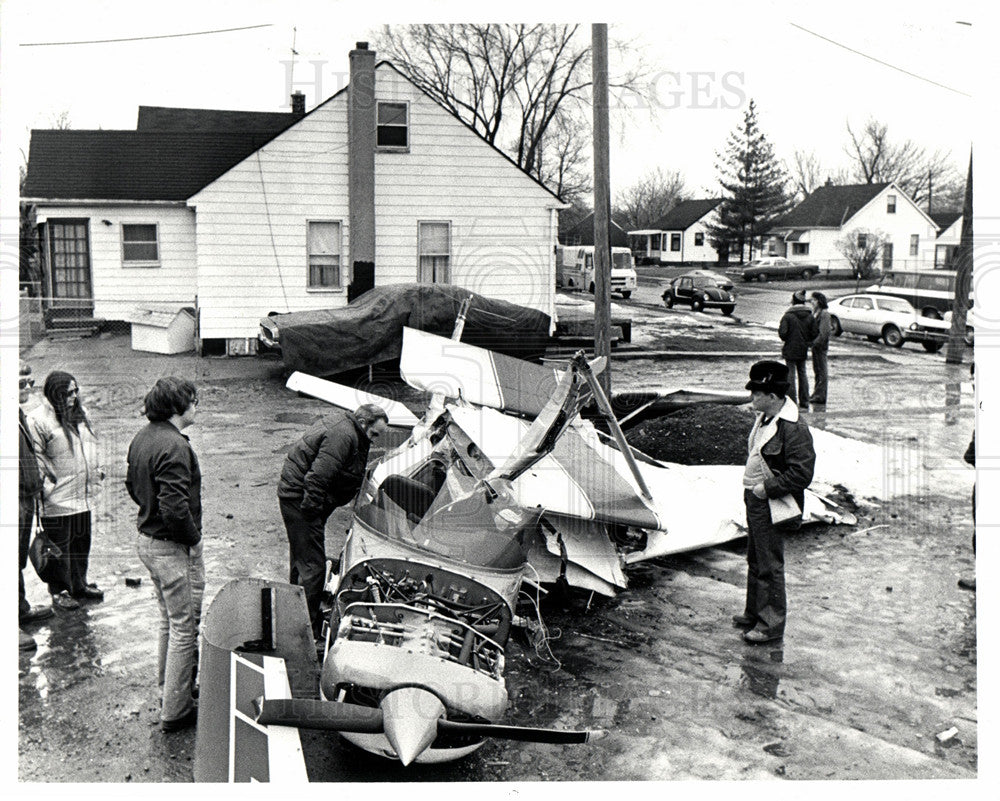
x=893, y=320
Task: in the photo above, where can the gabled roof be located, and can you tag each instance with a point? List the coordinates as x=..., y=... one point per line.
x=583, y=233
x=162, y=118
x=945, y=219
x=131, y=165
x=685, y=214
x=830, y=206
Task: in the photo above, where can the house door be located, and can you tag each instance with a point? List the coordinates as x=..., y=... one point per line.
x=71, y=288
x=887, y=256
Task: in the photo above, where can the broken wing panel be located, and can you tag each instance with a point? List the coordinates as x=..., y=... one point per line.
x=349, y=398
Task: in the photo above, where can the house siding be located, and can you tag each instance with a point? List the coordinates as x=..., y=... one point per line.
x=251, y=222
x=898, y=227
x=118, y=289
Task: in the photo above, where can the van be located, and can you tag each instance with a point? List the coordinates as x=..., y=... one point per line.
x=932, y=293
x=575, y=269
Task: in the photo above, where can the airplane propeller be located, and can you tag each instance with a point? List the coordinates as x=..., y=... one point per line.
x=410, y=717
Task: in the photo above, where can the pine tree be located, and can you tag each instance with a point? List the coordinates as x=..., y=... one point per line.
x=754, y=185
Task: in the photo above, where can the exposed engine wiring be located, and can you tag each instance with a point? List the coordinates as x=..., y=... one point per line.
x=540, y=636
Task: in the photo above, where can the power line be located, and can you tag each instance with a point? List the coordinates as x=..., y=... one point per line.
x=879, y=61
x=144, y=38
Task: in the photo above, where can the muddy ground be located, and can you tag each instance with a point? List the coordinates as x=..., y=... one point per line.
x=879, y=657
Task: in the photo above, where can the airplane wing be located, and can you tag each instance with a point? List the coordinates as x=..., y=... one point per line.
x=349, y=398
x=255, y=641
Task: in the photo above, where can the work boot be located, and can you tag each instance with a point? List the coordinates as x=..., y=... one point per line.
x=65, y=601
x=35, y=614
x=967, y=583
x=90, y=592
x=25, y=641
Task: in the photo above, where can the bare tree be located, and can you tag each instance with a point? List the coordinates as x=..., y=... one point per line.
x=648, y=199
x=922, y=174
x=806, y=172
x=862, y=248
x=563, y=160
x=510, y=82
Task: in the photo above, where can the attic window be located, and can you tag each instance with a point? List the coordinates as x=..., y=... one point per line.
x=890, y=204
x=392, y=125
x=140, y=244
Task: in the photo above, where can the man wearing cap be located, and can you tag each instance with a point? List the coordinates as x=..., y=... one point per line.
x=29, y=487
x=797, y=329
x=779, y=467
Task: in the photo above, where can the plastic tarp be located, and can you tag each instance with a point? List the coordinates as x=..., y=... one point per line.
x=370, y=328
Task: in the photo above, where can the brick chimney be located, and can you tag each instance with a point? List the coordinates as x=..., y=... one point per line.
x=361, y=170
x=298, y=104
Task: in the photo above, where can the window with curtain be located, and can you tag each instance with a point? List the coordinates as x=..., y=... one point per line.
x=434, y=249
x=323, y=247
x=140, y=244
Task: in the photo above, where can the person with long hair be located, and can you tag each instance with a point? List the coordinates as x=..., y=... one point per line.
x=820, y=347
x=66, y=447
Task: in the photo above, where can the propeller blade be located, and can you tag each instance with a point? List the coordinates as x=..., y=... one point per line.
x=305, y=713
x=410, y=717
x=523, y=733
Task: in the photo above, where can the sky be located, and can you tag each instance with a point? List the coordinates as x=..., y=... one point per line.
x=703, y=65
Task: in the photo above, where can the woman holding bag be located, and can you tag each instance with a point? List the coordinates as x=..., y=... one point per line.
x=66, y=447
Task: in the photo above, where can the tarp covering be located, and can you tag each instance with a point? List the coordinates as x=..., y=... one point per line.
x=370, y=328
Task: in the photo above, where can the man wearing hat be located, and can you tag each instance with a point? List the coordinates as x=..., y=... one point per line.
x=779, y=467
x=797, y=329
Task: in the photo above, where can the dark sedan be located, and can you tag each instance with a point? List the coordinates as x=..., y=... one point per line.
x=701, y=289
x=774, y=267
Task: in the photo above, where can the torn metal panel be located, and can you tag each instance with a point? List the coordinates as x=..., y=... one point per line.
x=349, y=398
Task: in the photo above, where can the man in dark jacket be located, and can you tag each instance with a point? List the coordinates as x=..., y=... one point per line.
x=797, y=329
x=164, y=479
x=779, y=467
x=322, y=471
x=29, y=486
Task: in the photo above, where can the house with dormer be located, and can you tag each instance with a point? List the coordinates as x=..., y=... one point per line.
x=811, y=230
x=240, y=214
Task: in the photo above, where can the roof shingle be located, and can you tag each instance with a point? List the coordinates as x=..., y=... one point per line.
x=830, y=206
x=685, y=214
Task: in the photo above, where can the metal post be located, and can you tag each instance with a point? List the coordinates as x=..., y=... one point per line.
x=602, y=203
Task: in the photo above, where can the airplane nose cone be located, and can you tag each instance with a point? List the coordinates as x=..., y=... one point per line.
x=409, y=718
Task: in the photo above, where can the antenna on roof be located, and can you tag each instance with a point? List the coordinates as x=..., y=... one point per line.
x=294, y=54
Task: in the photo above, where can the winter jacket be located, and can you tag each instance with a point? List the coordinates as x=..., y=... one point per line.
x=797, y=329
x=326, y=466
x=788, y=453
x=71, y=476
x=164, y=479
x=29, y=479
x=823, y=326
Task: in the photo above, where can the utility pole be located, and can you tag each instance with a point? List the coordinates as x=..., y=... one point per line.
x=963, y=279
x=602, y=203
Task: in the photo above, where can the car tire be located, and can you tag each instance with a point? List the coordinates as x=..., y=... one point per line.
x=807, y=274
x=762, y=278
x=970, y=337
x=697, y=304
x=591, y=287
x=727, y=310
x=892, y=336
x=835, y=327
x=668, y=300
x=626, y=294
x=932, y=346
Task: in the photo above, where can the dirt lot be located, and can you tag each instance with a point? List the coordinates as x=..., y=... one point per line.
x=880, y=654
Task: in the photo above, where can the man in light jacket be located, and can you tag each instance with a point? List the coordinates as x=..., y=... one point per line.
x=780, y=463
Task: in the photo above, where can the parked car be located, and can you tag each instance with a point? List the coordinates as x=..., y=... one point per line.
x=894, y=320
x=773, y=267
x=701, y=289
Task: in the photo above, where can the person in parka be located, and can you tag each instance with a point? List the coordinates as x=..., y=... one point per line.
x=322, y=471
x=67, y=452
x=780, y=464
x=797, y=330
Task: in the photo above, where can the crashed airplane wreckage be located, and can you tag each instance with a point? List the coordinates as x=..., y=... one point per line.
x=500, y=486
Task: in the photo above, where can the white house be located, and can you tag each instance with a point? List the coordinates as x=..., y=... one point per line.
x=809, y=232
x=377, y=185
x=679, y=237
x=949, y=236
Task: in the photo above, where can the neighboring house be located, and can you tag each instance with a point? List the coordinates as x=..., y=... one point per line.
x=583, y=233
x=949, y=236
x=249, y=213
x=809, y=232
x=679, y=237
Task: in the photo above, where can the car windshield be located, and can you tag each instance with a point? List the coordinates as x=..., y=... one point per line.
x=895, y=305
x=621, y=261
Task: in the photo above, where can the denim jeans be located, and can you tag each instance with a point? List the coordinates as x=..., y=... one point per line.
x=178, y=574
x=306, y=556
x=766, y=603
